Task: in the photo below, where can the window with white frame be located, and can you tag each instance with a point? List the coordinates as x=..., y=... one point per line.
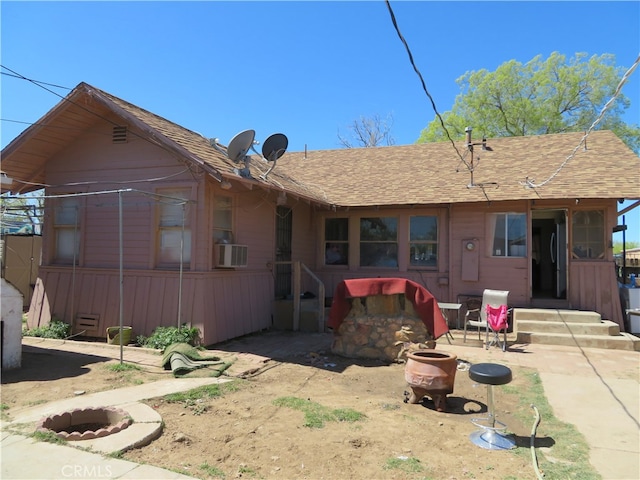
x=174, y=231
x=223, y=219
x=423, y=241
x=336, y=241
x=379, y=242
x=66, y=226
x=588, y=238
x=509, y=234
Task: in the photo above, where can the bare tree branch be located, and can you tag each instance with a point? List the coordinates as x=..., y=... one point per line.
x=368, y=132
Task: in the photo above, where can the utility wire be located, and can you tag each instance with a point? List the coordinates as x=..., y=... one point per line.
x=123, y=182
x=424, y=86
x=530, y=183
x=53, y=127
x=145, y=138
x=66, y=99
x=37, y=82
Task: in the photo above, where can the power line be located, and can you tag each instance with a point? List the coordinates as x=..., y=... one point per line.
x=530, y=183
x=37, y=82
x=123, y=182
x=54, y=127
x=66, y=99
x=424, y=86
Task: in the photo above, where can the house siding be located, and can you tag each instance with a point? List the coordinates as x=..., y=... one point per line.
x=591, y=284
x=93, y=165
x=222, y=303
x=221, y=306
x=436, y=280
x=226, y=303
x=498, y=273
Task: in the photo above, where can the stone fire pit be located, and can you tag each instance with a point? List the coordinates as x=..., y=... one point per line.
x=367, y=313
x=86, y=423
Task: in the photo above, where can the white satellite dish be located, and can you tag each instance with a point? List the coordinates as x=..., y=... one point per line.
x=274, y=147
x=240, y=145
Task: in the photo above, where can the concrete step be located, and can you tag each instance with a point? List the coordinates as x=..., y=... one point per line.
x=624, y=341
x=605, y=327
x=555, y=315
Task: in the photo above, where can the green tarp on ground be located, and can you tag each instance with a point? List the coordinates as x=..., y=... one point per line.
x=182, y=358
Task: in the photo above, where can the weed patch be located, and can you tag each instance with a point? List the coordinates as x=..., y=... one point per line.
x=162, y=337
x=405, y=464
x=48, y=436
x=570, y=450
x=55, y=329
x=212, y=471
x=122, y=367
x=316, y=415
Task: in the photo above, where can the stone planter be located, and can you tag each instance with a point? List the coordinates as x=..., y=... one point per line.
x=430, y=372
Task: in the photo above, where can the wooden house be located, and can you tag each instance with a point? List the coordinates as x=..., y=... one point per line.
x=152, y=224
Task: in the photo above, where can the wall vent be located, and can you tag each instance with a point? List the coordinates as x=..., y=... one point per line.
x=87, y=325
x=119, y=134
x=231, y=256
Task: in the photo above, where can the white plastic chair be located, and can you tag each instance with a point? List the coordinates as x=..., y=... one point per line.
x=477, y=317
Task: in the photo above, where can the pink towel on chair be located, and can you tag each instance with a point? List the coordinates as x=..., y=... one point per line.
x=497, y=317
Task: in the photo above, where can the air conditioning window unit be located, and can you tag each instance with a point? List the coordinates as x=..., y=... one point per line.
x=231, y=256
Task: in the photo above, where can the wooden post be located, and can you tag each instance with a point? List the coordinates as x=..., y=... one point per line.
x=296, y=295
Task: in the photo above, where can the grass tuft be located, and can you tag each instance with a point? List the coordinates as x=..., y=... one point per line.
x=570, y=449
x=408, y=464
x=201, y=393
x=48, y=436
x=316, y=415
x=212, y=470
x=122, y=367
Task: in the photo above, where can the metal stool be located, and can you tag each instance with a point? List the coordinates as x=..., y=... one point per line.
x=491, y=434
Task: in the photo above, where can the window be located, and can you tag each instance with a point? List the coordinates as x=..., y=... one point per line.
x=174, y=230
x=336, y=241
x=423, y=241
x=66, y=226
x=509, y=234
x=222, y=220
x=588, y=234
x=379, y=242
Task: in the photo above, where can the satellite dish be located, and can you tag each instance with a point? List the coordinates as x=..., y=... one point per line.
x=274, y=147
x=240, y=144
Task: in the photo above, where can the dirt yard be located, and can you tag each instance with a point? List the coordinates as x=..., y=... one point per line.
x=245, y=434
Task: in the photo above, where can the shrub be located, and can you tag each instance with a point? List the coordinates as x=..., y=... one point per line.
x=162, y=337
x=55, y=329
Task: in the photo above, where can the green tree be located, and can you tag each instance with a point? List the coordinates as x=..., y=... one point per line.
x=22, y=213
x=539, y=97
x=617, y=246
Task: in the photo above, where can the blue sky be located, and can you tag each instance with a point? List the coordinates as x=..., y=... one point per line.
x=306, y=69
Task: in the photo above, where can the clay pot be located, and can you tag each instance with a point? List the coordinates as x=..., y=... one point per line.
x=430, y=372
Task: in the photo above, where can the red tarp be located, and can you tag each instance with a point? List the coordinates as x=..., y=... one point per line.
x=424, y=303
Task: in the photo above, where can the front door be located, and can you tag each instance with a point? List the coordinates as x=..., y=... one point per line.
x=549, y=254
x=284, y=225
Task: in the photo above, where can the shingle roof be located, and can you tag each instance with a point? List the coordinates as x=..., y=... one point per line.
x=434, y=173
x=397, y=175
x=202, y=149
